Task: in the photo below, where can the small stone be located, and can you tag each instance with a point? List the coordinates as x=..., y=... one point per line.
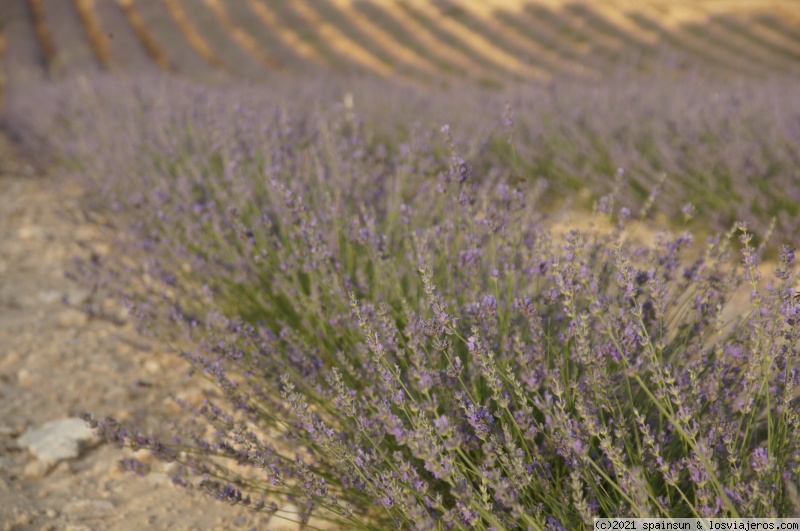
x=25, y=377
x=10, y=358
x=86, y=509
x=114, y=310
x=71, y=318
x=144, y=455
x=23, y=520
x=9, y=431
x=30, y=232
x=51, y=513
x=58, y=440
x=78, y=296
x=152, y=366
x=37, y=469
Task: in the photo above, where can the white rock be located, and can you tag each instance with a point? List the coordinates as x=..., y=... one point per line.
x=58, y=440
x=152, y=366
x=25, y=377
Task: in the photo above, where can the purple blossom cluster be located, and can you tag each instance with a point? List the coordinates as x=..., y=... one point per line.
x=402, y=341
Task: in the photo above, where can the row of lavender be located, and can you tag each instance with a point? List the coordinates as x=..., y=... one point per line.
x=400, y=340
x=265, y=39
x=730, y=148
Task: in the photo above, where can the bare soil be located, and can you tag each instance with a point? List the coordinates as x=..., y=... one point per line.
x=56, y=362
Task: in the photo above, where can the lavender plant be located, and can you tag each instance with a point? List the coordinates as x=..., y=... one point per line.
x=402, y=342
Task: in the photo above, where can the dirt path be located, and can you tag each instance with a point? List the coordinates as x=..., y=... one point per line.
x=55, y=363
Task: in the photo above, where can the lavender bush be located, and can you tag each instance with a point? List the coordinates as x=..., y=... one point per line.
x=400, y=339
x=727, y=146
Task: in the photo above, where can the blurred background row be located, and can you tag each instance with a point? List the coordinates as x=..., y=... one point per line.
x=491, y=42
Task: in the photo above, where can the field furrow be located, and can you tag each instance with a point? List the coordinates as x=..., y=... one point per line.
x=170, y=39
x=695, y=27
x=709, y=41
x=476, y=44
x=429, y=40
x=339, y=42
x=781, y=43
x=381, y=40
x=521, y=23
x=603, y=54
x=617, y=17
x=98, y=40
x=193, y=36
x=125, y=48
x=580, y=19
x=399, y=33
x=288, y=34
x=245, y=40
x=24, y=59
x=482, y=18
x=491, y=40
x=236, y=59
x=291, y=15
x=225, y=47
x=75, y=52
x=270, y=43
x=638, y=49
x=694, y=50
x=740, y=42
x=608, y=49
x=403, y=70
x=787, y=27
x=44, y=34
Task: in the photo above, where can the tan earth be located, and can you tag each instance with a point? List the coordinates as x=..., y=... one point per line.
x=55, y=363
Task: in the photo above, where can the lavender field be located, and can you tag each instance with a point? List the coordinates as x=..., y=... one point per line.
x=448, y=265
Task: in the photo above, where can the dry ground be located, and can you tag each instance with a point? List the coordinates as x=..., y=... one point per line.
x=55, y=362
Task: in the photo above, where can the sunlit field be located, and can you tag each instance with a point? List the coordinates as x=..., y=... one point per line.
x=450, y=264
